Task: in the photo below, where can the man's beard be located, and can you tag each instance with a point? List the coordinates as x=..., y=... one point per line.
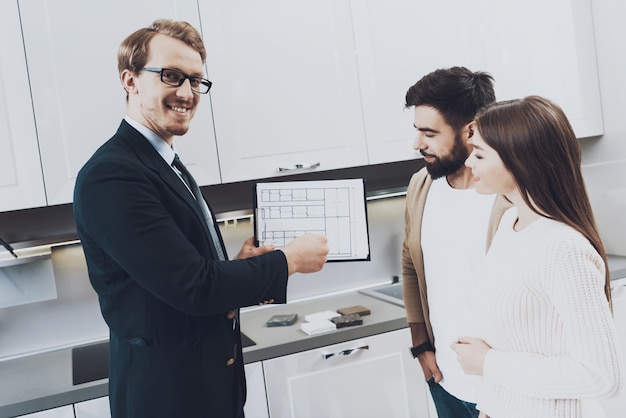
x=451, y=163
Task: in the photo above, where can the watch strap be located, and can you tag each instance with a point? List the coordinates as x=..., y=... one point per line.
x=423, y=347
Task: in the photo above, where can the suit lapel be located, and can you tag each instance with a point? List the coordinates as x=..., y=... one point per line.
x=150, y=158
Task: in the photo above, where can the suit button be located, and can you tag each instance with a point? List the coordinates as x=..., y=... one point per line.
x=230, y=315
x=230, y=362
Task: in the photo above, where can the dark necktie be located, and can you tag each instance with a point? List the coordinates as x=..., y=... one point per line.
x=197, y=194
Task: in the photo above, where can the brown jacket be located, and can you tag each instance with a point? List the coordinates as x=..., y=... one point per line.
x=414, y=282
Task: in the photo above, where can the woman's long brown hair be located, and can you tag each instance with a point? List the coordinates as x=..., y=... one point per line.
x=538, y=146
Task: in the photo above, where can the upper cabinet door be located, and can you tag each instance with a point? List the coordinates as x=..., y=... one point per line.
x=71, y=48
x=530, y=47
x=21, y=181
x=286, y=92
x=545, y=48
x=397, y=42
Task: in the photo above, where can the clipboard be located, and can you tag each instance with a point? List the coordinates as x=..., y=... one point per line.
x=337, y=209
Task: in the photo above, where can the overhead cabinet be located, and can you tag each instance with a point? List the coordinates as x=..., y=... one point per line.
x=303, y=86
x=531, y=47
x=298, y=86
x=286, y=92
x=78, y=100
x=21, y=180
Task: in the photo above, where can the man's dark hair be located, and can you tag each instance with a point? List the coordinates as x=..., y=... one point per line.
x=456, y=92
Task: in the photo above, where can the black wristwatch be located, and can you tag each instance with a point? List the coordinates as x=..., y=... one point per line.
x=419, y=349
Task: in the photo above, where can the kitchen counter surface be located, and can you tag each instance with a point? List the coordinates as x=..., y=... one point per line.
x=44, y=381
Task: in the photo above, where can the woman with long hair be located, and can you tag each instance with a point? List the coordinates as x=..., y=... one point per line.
x=547, y=342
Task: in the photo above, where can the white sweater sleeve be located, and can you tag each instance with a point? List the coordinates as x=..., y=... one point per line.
x=584, y=364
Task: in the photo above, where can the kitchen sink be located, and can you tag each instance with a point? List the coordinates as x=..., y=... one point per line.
x=391, y=293
x=246, y=341
x=90, y=363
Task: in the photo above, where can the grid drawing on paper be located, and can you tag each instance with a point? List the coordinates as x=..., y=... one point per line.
x=288, y=213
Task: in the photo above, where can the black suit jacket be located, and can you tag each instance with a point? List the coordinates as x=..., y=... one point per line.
x=167, y=301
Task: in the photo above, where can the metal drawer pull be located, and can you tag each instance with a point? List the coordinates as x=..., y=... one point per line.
x=345, y=352
x=299, y=167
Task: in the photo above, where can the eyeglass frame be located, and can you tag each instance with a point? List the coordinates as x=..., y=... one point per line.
x=191, y=78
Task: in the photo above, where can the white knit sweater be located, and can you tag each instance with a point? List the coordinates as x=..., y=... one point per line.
x=542, y=308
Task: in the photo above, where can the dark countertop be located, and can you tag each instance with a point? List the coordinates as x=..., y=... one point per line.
x=43, y=381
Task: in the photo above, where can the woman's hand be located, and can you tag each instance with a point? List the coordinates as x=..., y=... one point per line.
x=470, y=353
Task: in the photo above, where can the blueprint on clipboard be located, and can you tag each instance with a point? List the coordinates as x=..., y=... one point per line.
x=334, y=208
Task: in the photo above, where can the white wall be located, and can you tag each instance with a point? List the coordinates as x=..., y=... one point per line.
x=604, y=159
x=386, y=232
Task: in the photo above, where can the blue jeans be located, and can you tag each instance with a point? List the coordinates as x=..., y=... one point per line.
x=447, y=405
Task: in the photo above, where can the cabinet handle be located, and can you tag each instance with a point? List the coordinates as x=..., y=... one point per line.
x=345, y=352
x=299, y=167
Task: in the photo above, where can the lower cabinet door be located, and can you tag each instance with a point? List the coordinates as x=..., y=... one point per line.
x=60, y=412
x=93, y=408
x=369, y=377
x=256, y=402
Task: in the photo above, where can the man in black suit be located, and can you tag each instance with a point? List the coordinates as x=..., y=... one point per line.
x=155, y=256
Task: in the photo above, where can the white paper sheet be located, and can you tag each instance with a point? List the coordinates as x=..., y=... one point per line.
x=333, y=208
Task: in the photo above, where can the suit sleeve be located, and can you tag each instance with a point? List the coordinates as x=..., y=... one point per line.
x=133, y=228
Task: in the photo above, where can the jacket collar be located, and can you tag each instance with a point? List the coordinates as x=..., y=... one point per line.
x=152, y=160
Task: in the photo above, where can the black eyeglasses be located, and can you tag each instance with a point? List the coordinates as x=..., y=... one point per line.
x=176, y=78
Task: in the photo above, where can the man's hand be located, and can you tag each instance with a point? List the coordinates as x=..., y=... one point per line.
x=249, y=250
x=428, y=361
x=306, y=254
x=471, y=353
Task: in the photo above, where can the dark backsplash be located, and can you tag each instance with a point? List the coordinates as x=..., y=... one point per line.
x=23, y=228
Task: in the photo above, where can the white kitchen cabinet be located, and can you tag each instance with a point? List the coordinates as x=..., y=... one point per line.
x=93, y=408
x=369, y=377
x=255, y=407
x=60, y=412
x=286, y=91
x=71, y=49
x=545, y=48
x=256, y=402
x=21, y=181
x=300, y=86
x=530, y=47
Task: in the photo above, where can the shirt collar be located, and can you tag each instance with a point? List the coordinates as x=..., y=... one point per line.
x=159, y=144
